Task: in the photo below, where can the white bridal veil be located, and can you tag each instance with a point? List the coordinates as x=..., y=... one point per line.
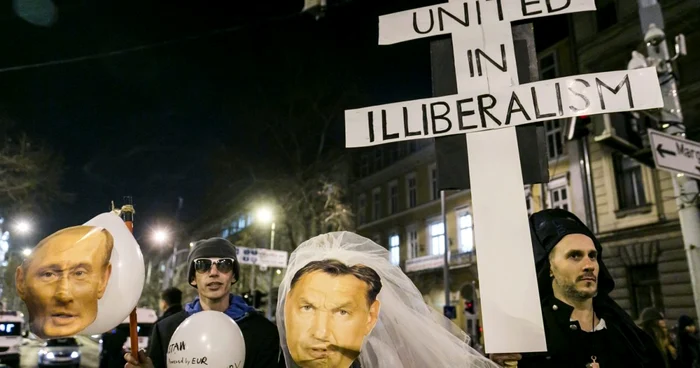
x=408, y=334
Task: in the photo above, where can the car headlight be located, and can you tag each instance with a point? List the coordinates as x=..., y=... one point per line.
x=50, y=355
x=74, y=354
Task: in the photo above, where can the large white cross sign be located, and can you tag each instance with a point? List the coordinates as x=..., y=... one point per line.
x=490, y=102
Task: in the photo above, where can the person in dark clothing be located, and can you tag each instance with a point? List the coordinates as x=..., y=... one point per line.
x=213, y=268
x=170, y=302
x=584, y=327
x=654, y=324
x=688, y=343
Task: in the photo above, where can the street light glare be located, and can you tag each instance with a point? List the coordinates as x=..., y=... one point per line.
x=160, y=236
x=265, y=215
x=23, y=227
x=26, y=252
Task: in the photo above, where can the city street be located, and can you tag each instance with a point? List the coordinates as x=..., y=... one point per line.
x=89, y=352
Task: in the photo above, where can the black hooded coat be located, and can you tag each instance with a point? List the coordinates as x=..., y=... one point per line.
x=620, y=345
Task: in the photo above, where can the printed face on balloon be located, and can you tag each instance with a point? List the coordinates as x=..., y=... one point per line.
x=329, y=310
x=63, y=278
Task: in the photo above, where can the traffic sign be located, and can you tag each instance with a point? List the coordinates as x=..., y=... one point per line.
x=262, y=257
x=675, y=154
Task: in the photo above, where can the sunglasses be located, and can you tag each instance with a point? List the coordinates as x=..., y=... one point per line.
x=224, y=265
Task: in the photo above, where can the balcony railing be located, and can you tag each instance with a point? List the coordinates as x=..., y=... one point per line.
x=457, y=259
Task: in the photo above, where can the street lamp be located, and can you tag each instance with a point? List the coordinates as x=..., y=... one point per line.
x=265, y=216
x=26, y=252
x=23, y=227
x=160, y=236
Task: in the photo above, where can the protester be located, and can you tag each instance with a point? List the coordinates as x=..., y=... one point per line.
x=213, y=268
x=343, y=304
x=170, y=303
x=584, y=327
x=688, y=343
x=653, y=323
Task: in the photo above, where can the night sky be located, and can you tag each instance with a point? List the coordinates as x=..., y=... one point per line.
x=146, y=123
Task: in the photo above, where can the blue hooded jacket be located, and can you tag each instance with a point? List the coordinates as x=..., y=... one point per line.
x=237, y=309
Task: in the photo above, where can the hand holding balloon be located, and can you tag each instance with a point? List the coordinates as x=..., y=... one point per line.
x=207, y=338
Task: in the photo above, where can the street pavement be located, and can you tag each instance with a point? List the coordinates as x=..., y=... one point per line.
x=89, y=352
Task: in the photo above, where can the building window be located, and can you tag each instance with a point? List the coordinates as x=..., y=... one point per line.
x=364, y=165
x=645, y=288
x=559, y=194
x=411, y=190
x=549, y=67
x=466, y=232
x=378, y=159
x=437, y=238
x=528, y=200
x=606, y=14
x=434, y=192
x=394, y=250
x=362, y=209
x=393, y=197
x=628, y=180
x=225, y=233
x=412, y=235
x=376, y=204
x=555, y=139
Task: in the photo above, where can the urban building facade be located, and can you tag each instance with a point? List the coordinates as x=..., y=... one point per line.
x=605, y=177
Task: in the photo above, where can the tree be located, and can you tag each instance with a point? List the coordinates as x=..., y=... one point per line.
x=298, y=166
x=30, y=173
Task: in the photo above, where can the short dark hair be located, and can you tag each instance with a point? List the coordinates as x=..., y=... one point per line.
x=336, y=268
x=172, y=296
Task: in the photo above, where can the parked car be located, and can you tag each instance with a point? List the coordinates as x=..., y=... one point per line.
x=60, y=352
x=12, y=330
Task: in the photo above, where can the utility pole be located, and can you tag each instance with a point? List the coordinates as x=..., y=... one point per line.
x=272, y=274
x=686, y=189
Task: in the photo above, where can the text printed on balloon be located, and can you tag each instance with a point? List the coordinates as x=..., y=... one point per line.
x=178, y=346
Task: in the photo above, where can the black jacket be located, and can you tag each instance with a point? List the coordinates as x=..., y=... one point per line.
x=169, y=312
x=262, y=341
x=620, y=345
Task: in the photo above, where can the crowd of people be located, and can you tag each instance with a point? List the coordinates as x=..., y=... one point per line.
x=584, y=326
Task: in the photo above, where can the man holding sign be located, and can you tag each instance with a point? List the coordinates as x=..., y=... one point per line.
x=490, y=102
x=583, y=325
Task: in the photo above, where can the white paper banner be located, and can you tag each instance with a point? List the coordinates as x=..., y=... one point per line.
x=455, y=16
x=587, y=94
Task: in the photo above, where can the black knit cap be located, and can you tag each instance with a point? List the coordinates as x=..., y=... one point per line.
x=548, y=228
x=213, y=248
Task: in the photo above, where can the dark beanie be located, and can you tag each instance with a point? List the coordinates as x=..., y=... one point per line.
x=548, y=228
x=212, y=248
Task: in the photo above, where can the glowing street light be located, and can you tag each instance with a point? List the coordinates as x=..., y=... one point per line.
x=160, y=236
x=26, y=252
x=23, y=227
x=264, y=214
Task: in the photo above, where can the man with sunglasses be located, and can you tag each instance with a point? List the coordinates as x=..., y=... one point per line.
x=213, y=268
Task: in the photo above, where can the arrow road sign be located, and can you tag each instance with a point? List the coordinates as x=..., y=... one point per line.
x=675, y=154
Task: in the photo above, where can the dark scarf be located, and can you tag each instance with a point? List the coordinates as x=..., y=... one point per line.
x=237, y=309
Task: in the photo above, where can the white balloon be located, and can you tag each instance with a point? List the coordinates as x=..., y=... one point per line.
x=207, y=338
x=128, y=276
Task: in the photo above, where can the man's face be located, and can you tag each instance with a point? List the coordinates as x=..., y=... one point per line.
x=63, y=281
x=575, y=268
x=327, y=318
x=213, y=283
